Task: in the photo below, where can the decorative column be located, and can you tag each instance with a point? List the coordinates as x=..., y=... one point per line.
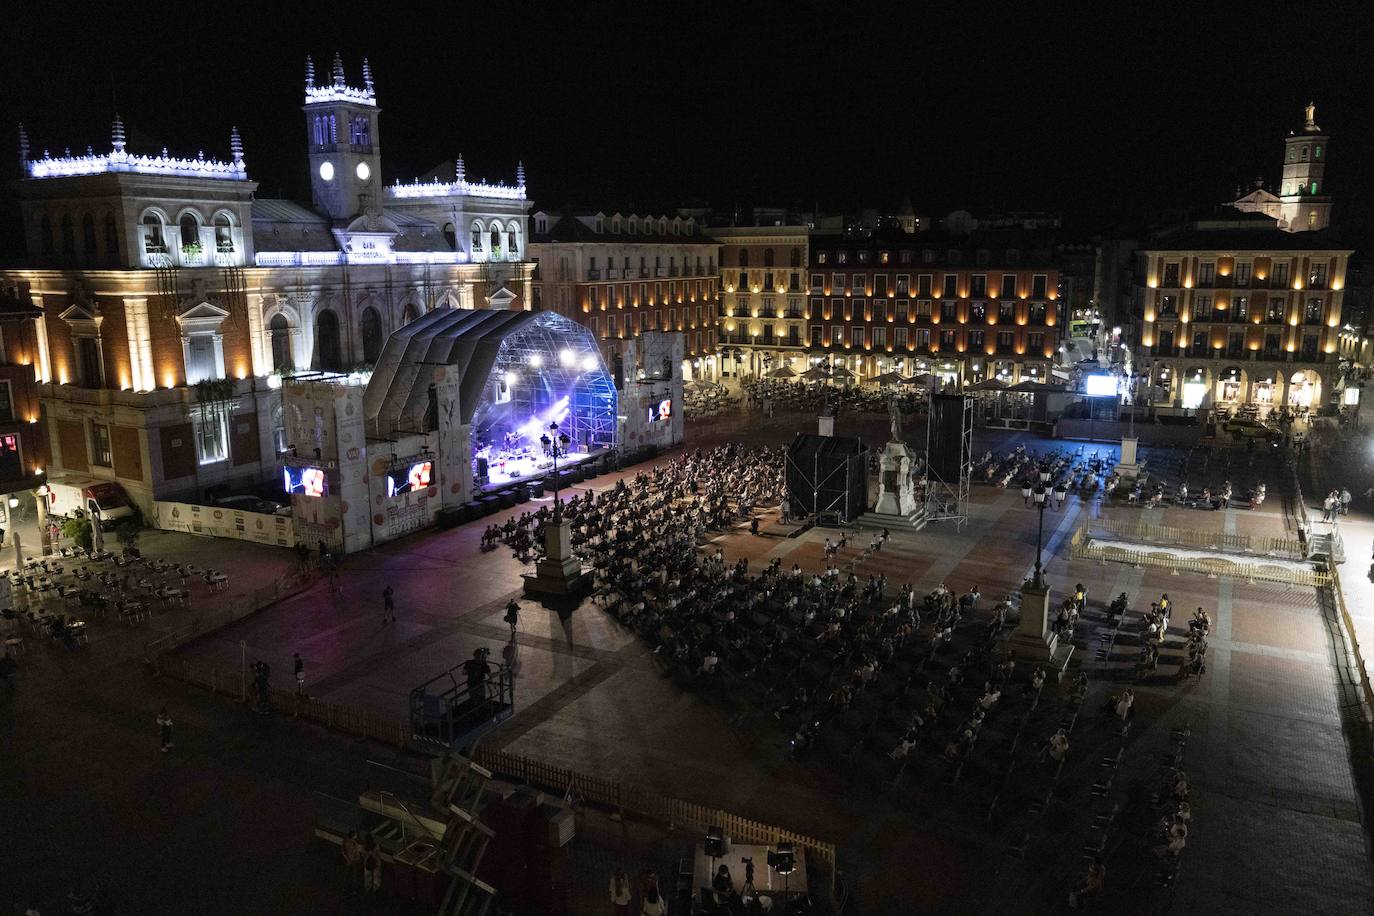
x=259, y=349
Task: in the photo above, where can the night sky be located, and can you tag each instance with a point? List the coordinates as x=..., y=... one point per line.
x=1104, y=115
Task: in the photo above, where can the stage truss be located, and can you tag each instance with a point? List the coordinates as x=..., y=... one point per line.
x=549, y=371
x=947, y=500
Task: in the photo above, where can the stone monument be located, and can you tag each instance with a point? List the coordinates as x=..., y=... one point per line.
x=896, y=498
x=559, y=573
x=1033, y=641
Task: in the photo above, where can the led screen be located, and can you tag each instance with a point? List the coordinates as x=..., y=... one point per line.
x=305, y=481
x=665, y=408
x=1101, y=386
x=416, y=477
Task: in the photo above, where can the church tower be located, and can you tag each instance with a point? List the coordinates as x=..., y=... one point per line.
x=345, y=148
x=1304, y=203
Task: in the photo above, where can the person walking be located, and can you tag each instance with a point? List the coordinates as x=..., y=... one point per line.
x=620, y=892
x=388, y=604
x=1346, y=499
x=164, y=727
x=372, y=866
x=512, y=616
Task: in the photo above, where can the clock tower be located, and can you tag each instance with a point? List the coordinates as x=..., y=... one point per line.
x=345, y=147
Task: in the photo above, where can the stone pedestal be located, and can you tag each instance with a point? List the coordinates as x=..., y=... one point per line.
x=559, y=572
x=895, y=496
x=826, y=426
x=1127, y=466
x=1033, y=641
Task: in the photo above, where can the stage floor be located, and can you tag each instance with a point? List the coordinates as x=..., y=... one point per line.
x=516, y=470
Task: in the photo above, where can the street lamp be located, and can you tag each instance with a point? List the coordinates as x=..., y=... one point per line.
x=1039, y=579
x=558, y=446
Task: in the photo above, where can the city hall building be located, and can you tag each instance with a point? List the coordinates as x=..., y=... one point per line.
x=172, y=299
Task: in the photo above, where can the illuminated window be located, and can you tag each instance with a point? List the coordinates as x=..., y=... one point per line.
x=1312, y=219
x=224, y=233
x=100, y=444
x=212, y=434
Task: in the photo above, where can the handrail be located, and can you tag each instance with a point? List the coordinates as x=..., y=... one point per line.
x=1348, y=623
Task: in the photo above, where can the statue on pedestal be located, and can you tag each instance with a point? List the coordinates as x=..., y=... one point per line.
x=894, y=414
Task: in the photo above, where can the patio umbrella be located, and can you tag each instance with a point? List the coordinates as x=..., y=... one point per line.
x=991, y=384
x=782, y=372
x=814, y=374
x=888, y=378
x=924, y=380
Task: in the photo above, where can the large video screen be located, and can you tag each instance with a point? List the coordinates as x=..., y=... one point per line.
x=663, y=410
x=415, y=477
x=305, y=481
x=1100, y=386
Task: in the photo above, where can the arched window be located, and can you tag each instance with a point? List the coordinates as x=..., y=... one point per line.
x=410, y=314
x=111, y=239
x=495, y=241
x=634, y=225
x=451, y=236
x=328, y=353
x=68, y=236
x=512, y=244
x=45, y=235
x=477, y=236
x=796, y=257
x=1303, y=154
x=279, y=329
x=372, y=335
x=744, y=257
x=767, y=257
x=88, y=238
x=190, y=230
x=663, y=226
x=224, y=233
x=153, y=242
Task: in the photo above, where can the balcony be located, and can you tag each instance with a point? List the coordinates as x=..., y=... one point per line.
x=593, y=273
x=660, y=271
x=644, y=273
x=612, y=273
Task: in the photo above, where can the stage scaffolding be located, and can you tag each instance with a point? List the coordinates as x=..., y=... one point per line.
x=947, y=499
x=550, y=369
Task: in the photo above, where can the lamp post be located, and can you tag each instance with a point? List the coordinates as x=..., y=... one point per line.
x=557, y=446
x=1040, y=493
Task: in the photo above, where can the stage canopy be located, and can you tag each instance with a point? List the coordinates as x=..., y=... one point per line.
x=519, y=371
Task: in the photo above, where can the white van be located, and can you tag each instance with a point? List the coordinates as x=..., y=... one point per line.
x=80, y=497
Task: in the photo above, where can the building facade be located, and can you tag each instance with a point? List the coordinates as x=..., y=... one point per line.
x=1240, y=312
x=173, y=299
x=763, y=271
x=964, y=308
x=622, y=275
x=1302, y=204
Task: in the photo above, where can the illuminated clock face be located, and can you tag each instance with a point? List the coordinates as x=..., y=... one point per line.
x=327, y=171
x=363, y=172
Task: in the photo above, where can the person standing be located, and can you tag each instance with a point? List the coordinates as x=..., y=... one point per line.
x=620, y=892
x=164, y=727
x=353, y=861
x=1346, y=499
x=388, y=604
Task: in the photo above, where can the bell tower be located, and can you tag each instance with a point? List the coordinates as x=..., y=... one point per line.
x=1304, y=203
x=345, y=147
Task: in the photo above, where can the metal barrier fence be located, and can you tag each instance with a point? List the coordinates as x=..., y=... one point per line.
x=229, y=682
x=1085, y=548
x=1288, y=548
x=198, y=623
x=672, y=811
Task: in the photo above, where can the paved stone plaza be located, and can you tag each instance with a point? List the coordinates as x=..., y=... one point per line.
x=1276, y=812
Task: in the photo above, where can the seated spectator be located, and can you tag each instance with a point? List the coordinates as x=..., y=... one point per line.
x=904, y=746
x=1058, y=746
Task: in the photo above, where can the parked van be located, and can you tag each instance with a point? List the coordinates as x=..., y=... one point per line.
x=81, y=497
